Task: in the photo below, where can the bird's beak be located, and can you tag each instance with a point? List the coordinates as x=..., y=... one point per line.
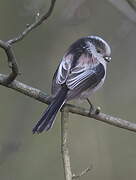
x=107, y=58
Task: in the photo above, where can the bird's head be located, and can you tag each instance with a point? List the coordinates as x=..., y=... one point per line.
x=101, y=47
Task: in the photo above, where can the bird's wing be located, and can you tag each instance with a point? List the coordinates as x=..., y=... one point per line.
x=86, y=66
x=79, y=69
x=61, y=73
x=64, y=69
x=86, y=79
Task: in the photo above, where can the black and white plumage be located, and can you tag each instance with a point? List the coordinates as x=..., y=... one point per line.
x=80, y=73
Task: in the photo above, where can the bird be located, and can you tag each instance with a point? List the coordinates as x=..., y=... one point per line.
x=81, y=72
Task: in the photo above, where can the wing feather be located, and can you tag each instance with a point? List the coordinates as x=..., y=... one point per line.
x=64, y=69
x=78, y=72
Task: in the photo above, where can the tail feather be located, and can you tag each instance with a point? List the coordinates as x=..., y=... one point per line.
x=48, y=117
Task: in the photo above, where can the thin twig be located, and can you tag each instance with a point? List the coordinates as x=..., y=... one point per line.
x=64, y=144
x=132, y=4
x=82, y=173
x=38, y=21
x=43, y=97
x=7, y=45
x=11, y=62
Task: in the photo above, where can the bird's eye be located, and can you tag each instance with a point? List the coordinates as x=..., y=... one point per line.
x=98, y=51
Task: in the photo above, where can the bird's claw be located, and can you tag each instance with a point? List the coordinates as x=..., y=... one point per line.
x=94, y=111
x=98, y=110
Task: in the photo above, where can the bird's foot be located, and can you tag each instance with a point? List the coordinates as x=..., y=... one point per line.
x=93, y=110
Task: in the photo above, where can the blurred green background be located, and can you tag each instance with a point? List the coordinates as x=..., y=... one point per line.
x=111, y=151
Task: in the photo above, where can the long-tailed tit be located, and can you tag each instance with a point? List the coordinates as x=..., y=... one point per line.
x=80, y=73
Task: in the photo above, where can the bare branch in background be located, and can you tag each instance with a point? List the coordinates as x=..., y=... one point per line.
x=126, y=8
x=11, y=62
x=39, y=20
x=65, y=149
x=64, y=144
x=7, y=45
x=82, y=173
x=132, y=3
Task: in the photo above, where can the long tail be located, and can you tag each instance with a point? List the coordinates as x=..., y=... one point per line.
x=48, y=117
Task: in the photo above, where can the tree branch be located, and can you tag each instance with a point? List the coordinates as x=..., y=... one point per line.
x=11, y=62
x=38, y=21
x=43, y=97
x=7, y=45
x=64, y=144
x=82, y=173
x=132, y=4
